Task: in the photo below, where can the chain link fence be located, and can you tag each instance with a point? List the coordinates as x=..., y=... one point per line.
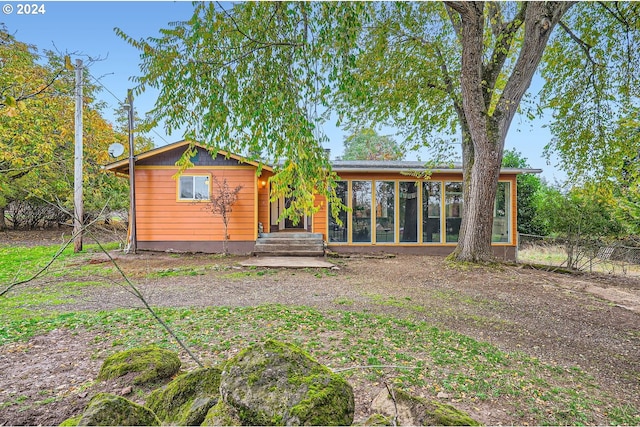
x=592, y=255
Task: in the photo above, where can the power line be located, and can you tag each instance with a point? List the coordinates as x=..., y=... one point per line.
x=121, y=103
x=104, y=87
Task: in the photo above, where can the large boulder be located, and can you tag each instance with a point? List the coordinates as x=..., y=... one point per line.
x=416, y=411
x=274, y=383
x=106, y=409
x=186, y=400
x=222, y=414
x=150, y=364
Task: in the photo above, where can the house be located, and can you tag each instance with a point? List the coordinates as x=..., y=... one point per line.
x=391, y=210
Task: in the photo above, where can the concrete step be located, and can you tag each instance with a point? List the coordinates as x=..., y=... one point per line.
x=276, y=247
x=289, y=244
x=289, y=236
x=292, y=252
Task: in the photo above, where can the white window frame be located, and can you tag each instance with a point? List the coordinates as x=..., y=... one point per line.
x=193, y=177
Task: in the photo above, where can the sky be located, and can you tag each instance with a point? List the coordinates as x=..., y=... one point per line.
x=85, y=29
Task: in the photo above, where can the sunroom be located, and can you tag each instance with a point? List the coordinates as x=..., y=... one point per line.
x=392, y=209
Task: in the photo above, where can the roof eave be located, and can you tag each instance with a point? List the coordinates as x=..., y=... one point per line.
x=508, y=171
x=122, y=166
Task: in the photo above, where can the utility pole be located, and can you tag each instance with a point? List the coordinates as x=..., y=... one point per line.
x=78, y=160
x=133, y=246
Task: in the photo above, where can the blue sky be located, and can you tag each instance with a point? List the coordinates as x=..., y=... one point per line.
x=87, y=28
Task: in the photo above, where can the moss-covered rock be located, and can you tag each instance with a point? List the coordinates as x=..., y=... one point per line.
x=416, y=411
x=187, y=399
x=274, y=383
x=378, y=420
x=151, y=363
x=222, y=414
x=71, y=422
x=106, y=409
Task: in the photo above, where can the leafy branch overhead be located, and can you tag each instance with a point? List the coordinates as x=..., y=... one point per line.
x=266, y=76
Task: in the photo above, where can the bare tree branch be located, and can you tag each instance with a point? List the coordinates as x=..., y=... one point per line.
x=248, y=37
x=142, y=299
x=38, y=92
x=455, y=20
x=505, y=34
x=586, y=47
x=49, y=264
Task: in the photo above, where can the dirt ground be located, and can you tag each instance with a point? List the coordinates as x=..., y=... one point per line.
x=588, y=321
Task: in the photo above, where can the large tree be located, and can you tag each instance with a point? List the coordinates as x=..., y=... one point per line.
x=37, y=128
x=366, y=144
x=259, y=75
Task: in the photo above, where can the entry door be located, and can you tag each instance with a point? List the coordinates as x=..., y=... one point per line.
x=288, y=223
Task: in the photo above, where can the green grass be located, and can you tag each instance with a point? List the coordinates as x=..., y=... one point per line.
x=395, y=302
x=425, y=357
x=19, y=263
x=236, y=275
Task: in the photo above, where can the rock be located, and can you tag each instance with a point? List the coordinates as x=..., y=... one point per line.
x=186, y=399
x=125, y=391
x=106, y=409
x=222, y=415
x=151, y=363
x=274, y=383
x=71, y=422
x=416, y=411
x=443, y=395
x=378, y=420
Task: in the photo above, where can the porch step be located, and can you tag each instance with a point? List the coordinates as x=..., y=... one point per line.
x=289, y=244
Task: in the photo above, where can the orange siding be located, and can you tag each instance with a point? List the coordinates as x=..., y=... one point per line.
x=320, y=218
x=263, y=200
x=161, y=217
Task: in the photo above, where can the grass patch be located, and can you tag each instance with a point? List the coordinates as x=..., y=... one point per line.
x=404, y=302
x=19, y=263
x=426, y=356
x=248, y=273
x=179, y=271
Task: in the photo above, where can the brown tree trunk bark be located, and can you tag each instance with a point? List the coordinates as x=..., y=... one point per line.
x=3, y=224
x=484, y=133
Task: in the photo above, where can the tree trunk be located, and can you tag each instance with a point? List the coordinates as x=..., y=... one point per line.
x=3, y=224
x=484, y=133
x=480, y=186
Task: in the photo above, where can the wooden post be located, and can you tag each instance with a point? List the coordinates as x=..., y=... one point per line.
x=78, y=160
x=132, y=180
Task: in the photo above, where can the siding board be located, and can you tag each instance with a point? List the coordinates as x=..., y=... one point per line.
x=162, y=217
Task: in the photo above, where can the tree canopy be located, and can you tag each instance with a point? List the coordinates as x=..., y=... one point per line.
x=37, y=133
x=366, y=144
x=258, y=75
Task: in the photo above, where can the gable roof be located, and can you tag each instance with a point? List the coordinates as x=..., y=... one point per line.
x=122, y=166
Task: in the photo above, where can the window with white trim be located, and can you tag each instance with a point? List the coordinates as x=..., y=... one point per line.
x=193, y=187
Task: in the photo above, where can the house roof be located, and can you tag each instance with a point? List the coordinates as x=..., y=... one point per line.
x=408, y=166
x=122, y=166
x=363, y=166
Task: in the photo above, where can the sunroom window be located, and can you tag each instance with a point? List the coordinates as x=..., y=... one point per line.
x=339, y=232
x=453, y=210
x=501, y=214
x=193, y=187
x=361, y=214
x=408, y=199
x=431, y=211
